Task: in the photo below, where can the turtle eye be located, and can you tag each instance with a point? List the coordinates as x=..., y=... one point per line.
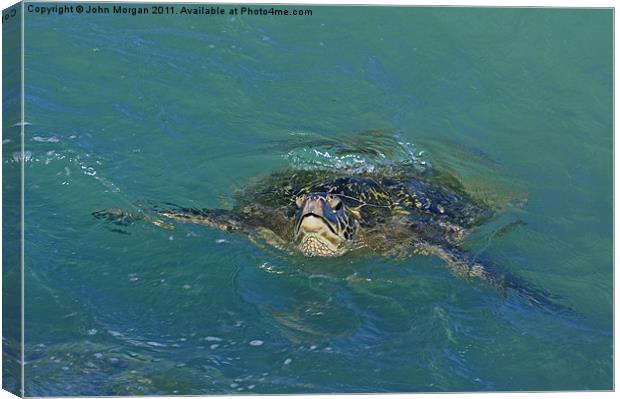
x=334, y=202
x=299, y=201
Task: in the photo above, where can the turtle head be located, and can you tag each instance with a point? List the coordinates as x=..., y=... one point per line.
x=323, y=225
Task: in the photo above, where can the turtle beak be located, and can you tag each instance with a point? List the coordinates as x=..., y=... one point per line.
x=316, y=216
x=318, y=226
x=314, y=207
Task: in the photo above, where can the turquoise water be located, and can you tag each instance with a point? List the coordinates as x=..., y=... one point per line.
x=124, y=110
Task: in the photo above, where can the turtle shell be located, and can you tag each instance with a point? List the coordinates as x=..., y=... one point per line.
x=375, y=197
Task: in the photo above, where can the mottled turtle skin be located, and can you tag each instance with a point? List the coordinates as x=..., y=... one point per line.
x=395, y=212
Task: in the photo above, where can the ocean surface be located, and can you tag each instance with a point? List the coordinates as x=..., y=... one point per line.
x=125, y=110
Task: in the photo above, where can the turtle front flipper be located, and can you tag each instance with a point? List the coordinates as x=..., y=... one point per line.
x=256, y=224
x=465, y=266
x=216, y=218
x=124, y=218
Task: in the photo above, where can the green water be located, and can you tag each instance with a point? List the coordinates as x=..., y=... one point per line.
x=124, y=110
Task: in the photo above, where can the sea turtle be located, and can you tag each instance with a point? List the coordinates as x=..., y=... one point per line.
x=393, y=211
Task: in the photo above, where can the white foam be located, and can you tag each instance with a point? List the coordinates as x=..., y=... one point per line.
x=22, y=123
x=40, y=139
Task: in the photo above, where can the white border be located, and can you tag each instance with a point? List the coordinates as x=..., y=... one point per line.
x=479, y=3
x=22, y=255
